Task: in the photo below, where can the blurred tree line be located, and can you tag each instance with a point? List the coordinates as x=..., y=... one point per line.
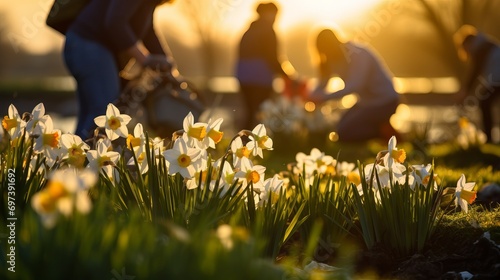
x=415, y=38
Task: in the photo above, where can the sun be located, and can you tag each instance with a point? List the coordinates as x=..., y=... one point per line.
x=334, y=12
x=295, y=12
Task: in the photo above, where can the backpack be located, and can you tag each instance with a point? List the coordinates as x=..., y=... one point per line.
x=63, y=13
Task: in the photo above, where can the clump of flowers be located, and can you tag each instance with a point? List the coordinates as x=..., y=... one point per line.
x=393, y=202
x=66, y=191
x=469, y=135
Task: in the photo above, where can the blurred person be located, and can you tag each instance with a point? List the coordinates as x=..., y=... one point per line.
x=104, y=36
x=482, y=81
x=259, y=63
x=364, y=74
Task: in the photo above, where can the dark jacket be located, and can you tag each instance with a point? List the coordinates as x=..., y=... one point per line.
x=119, y=24
x=485, y=59
x=258, y=61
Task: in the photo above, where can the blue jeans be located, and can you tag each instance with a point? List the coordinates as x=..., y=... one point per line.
x=94, y=68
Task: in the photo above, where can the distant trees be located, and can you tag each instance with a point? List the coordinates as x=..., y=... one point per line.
x=206, y=17
x=447, y=16
x=5, y=49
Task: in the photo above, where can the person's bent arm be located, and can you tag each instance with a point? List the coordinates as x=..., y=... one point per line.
x=357, y=75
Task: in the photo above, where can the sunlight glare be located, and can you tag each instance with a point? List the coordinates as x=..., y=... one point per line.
x=335, y=84
x=348, y=101
x=339, y=11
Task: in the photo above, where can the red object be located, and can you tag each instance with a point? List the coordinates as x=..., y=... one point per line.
x=387, y=131
x=295, y=88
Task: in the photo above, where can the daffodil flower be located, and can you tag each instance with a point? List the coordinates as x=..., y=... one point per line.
x=183, y=159
x=344, y=168
x=114, y=123
x=353, y=177
x=214, y=135
x=13, y=122
x=464, y=193
x=66, y=191
x=259, y=140
x=394, y=156
x=48, y=139
x=315, y=162
x=304, y=165
x=195, y=133
x=103, y=158
x=142, y=163
x=241, y=153
x=386, y=179
x=252, y=174
x=138, y=140
x=73, y=150
x=227, y=178
x=199, y=179
x=322, y=162
x=36, y=115
x=469, y=135
x=422, y=175
x=272, y=188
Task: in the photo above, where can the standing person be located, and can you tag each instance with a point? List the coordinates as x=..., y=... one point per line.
x=483, y=80
x=104, y=32
x=364, y=74
x=258, y=62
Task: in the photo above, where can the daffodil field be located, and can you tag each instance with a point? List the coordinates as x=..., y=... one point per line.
x=128, y=205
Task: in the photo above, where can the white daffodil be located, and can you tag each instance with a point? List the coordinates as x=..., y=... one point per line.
x=142, y=163
x=138, y=140
x=183, y=159
x=353, y=177
x=304, y=165
x=113, y=122
x=464, y=193
x=13, y=122
x=36, y=115
x=241, y=154
x=395, y=157
x=316, y=161
x=195, y=133
x=344, y=168
x=386, y=179
x=252, y=174
x=199, y=179
x=422, y=175
x=323, y=163
x=349, y=171
x=214, y=135
x=103, y=158
x=227, y=177
x=158, y=144
x=259, y=141
x=73, y=150
x=469, y=135
x=48, y=139
x=272, y=188
x=66, y=191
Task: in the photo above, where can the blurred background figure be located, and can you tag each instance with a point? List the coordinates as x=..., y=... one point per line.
x=104, y=36
x=259, y=62
x=364, y=74
x=482, y=82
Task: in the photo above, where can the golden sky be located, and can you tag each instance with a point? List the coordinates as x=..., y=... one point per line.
x=27, y=30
